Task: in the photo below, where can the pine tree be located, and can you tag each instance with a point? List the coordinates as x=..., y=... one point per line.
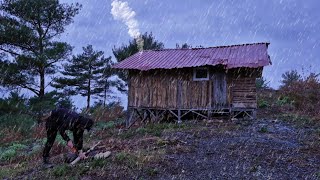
x=86, y=74
x=121, y=53
x=290, y=77
x=28, y=31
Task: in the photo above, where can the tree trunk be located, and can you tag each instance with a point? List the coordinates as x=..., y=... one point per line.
x=42, y=82
x=42, y=68
x=89, y=95
x=88, y=101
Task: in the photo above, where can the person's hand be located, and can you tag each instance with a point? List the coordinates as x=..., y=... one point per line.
x=70, y=144
x=82, y=155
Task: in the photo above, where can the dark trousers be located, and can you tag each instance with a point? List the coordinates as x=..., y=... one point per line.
x=52, y=131
x=51, y=136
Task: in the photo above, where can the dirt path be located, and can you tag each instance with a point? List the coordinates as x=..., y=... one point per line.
x=260, y=150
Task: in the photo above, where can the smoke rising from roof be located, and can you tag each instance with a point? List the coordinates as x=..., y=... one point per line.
x=122, y=12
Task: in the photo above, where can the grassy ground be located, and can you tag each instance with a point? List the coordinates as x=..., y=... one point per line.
x=154, y=151
x=281, y=144
x=23, y=155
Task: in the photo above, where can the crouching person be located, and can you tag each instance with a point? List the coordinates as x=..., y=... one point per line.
x=61, y=120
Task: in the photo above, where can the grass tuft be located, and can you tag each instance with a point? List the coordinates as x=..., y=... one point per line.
x=263, y=129
x=61, y=170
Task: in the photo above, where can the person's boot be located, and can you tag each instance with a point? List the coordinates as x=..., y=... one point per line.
x=46, y=163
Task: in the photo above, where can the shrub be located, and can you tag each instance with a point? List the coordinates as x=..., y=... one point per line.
x=283, y=100
x=14, y=127
x=105, y=125
x=263, y=129
x=18, y=121
x=262, y=83
x=61, y=170
x=290, y=77
x=8, y=154
x=262, y=103
x=14, y=104
x=111, y=112
x=17, y=146
x=305, y=94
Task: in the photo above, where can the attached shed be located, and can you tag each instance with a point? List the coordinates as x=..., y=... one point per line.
x=201, y=81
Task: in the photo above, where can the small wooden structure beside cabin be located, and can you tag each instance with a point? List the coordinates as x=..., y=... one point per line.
x=202, y=81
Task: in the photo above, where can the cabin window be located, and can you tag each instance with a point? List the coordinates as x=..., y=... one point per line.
x=200, y=74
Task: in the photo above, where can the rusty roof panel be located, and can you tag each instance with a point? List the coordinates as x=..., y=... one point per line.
x=244, y=55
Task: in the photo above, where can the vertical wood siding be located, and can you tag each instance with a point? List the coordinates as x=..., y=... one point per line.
x=159, y=89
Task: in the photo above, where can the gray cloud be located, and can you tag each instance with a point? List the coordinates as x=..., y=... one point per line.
x=292, y=27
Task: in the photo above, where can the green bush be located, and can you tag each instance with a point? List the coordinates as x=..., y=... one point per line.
x=17, y=146
x=304, y=94
x=263, y=129
x=262, y=103
x=283, y=101
x=19, y=122
x=14, y=104
x=35, y=149
x=101, y=125
x=8, y=154
x=262, y=83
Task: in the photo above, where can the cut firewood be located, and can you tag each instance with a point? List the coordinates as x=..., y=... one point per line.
x=78, y=158
x=102, y=155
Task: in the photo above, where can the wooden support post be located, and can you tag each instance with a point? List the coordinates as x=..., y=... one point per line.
x=254, y=114
x=209, y=114
x=179, y=116
x=128, y=108
x=128, y=117
x=141, y=117
x=144, y=116
x=179, y=94
x=156, y=115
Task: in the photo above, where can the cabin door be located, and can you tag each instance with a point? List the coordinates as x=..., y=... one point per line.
x=219, y=90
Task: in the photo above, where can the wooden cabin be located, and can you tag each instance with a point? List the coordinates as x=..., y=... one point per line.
x=201, y=81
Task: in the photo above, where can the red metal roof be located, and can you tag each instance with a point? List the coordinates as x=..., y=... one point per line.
x=233, y=56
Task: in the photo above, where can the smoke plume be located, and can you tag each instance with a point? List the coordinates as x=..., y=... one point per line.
x=122, y=12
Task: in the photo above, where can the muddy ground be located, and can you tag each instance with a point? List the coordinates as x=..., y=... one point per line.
x=215, y=149
x=259, y=150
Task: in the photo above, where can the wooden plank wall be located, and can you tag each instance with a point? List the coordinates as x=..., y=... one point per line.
x=152, y=91
x=244, y=93
x=220, y=90
x=242, y=87
x=158, y=89
x=196, y=94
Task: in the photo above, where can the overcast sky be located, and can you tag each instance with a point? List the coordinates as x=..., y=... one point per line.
x=292, y=28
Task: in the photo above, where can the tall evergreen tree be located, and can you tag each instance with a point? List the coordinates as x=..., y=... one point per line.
x=290, y=77
x=28, y=31
x=86, y=74
x=121, y=53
